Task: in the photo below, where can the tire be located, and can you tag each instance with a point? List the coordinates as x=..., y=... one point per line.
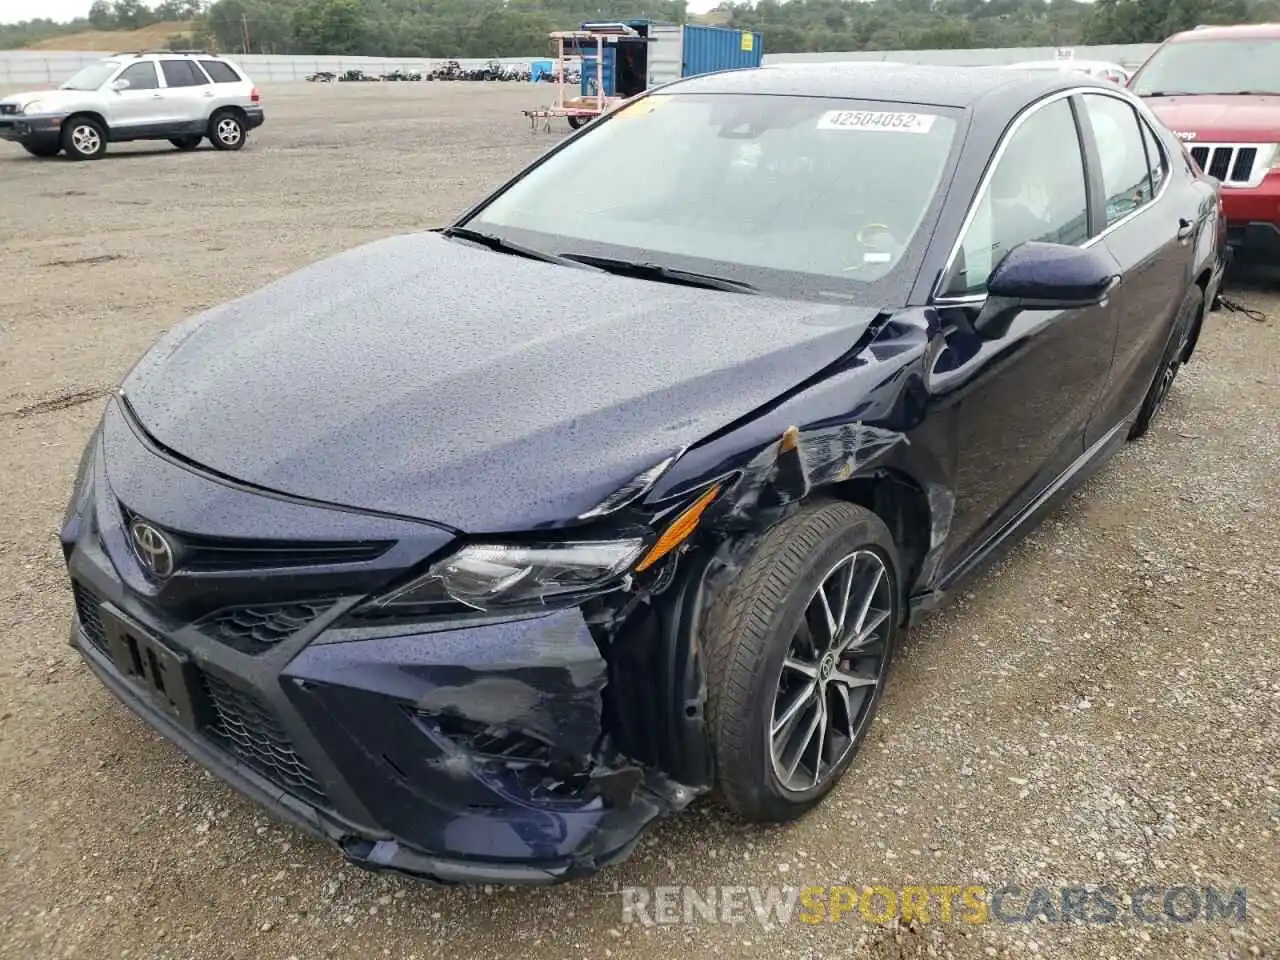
x=43, y=151
x=1175, y=353
x=576, y=122
x=186, y=143
x=758, y=622
x=227, y=130
x=84, y=138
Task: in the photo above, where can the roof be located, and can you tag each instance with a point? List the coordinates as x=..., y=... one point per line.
x=943, y=86
x=1239, y=31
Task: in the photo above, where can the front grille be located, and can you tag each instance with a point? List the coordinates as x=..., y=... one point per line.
x=87, y=605
x=224, y=554
x=1230, y=163
x=250, y=731
x=257, y=629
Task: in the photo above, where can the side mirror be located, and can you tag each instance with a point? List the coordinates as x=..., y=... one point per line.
x=119, y=85
x=1045, y=276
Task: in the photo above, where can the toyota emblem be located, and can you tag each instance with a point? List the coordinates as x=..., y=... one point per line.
x=153, y=550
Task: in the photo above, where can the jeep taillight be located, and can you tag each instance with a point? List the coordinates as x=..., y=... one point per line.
x=255, y=96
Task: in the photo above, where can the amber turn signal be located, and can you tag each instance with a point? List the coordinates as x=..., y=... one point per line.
x=680, y=529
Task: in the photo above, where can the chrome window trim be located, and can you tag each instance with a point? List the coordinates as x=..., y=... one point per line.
x=1136, y=105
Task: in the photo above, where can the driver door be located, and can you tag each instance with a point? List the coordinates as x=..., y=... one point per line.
x=1021, y=401
x=140, y=106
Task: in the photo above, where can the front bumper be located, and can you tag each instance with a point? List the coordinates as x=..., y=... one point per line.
x=1253, y=220
x=35, y=130
x=471, y=752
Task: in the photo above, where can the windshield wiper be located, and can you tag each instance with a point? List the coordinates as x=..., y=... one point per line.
x=1251, y=93
x=506, y=246
x=655, y=271
x=1172, y=93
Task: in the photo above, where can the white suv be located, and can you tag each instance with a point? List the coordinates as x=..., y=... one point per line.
x=181, y=97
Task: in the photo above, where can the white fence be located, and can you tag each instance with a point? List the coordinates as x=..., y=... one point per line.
x=25, y=68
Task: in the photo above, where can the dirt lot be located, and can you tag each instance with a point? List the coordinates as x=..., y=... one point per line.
x=1104, y=708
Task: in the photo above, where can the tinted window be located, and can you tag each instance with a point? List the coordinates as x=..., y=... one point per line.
x=1036, y=192
x=141, y=76
x=1126, y=180
x=800, y=195
x=1211, y=66
x=181, y=73
x=219, y=72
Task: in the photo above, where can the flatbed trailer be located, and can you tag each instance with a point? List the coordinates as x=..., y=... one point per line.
x=569, y=100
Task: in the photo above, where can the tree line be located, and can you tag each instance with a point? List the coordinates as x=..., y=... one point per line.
x=513, y=28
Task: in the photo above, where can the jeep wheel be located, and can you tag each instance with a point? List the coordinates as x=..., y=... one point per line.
x=186, y=143
x=797, y=649
x=226, y=130
x=83, y=138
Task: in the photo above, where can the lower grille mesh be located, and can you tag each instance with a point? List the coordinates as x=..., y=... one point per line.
x=257, y=629
x=90, y=620
x=249, y=730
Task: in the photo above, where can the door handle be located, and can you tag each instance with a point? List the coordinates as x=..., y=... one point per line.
x=157, y=96
x=208, y=93
x=1185, y=229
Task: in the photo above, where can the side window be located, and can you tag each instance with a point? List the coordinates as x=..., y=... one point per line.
x=181, y=73
x=141, y=76
x=1157, y=162
x=220, y=72
x=1036, y=192
x=1126, y=178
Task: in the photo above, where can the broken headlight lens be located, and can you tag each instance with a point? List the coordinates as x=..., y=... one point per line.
x=498, y=576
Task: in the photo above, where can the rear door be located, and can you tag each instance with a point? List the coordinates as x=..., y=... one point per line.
x=1021, y=401
x=187, y=95
x=1141, y=219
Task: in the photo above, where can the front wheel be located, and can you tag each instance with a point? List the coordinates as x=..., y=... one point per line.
x=797, y=651
x=1174, y=353
x=84, y=138
x=226, y=130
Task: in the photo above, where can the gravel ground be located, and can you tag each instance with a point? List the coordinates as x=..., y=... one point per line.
x=1102, y=708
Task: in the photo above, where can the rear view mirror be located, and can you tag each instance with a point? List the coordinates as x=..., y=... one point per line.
x=119, y=85
x=1045, y=276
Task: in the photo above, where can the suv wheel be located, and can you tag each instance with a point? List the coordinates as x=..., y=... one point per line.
x=186, y=143
x=226, y=130
x=797, y=649
x=84, y=138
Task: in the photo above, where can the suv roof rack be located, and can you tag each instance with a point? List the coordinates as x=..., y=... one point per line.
x=143, y=53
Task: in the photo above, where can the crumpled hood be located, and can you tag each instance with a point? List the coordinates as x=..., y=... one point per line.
x=1210, y=118
x=432, y=379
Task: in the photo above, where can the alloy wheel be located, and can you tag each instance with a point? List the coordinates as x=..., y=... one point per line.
x=833, y=668
x=86, y=139
x=228, y=131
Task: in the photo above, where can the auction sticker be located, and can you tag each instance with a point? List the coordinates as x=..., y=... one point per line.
x=876, y=120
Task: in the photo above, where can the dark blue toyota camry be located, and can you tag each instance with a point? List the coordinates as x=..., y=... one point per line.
x=477, y=549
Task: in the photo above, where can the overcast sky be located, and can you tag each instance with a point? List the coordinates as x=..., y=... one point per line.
x=11, y=11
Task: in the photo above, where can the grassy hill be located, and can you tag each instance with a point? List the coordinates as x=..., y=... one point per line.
x=110, y=41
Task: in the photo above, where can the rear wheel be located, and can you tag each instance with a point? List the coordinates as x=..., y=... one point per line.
x=797, y=649
x=576, y=122
x=84, y=138
x=226, y=130
x=186, y=143
x=1174, y=354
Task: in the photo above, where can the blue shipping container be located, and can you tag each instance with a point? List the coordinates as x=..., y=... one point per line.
x=708, y=49
x=588, y=83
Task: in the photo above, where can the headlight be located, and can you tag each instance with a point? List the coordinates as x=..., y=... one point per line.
x=496, y=576
x=32, y=107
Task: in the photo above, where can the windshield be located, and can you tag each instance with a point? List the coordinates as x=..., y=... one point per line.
x=91, y=77
x=796, y=196
x=1211, y=66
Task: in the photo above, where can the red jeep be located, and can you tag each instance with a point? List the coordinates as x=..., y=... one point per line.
x=1218, y=89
